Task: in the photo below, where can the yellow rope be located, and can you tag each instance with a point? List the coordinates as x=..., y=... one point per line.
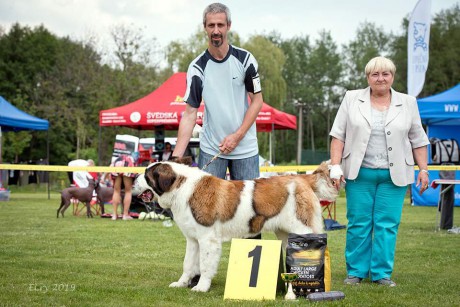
x=108, y=169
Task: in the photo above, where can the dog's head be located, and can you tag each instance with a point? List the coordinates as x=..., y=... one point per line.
x=92, y=182
x=142, y=189
x=97, y=185
x=158, y=179
x=325, y=187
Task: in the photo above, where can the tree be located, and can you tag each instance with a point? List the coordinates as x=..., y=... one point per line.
x=324, y=91
x=371, y=41
x=312, y=73
x=180, y=54
x=296, y=75
x=15, y=142
x=444, y=67
x=24, y=54
x=67, y=82
x=270, y=59
x=399, y=57
x=134, y=61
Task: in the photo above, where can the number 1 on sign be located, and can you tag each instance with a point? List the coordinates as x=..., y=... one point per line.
x=256, y=261
x=256, y=252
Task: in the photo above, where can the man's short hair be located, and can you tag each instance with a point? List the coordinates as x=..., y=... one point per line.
x=216, y=8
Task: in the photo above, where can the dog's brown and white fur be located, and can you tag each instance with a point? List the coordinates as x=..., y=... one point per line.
x=209, y=210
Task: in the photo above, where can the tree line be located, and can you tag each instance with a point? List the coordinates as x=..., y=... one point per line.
x=69, y=81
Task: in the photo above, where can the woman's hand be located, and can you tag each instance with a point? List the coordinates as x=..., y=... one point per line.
x=336, y=174
x=423, y=181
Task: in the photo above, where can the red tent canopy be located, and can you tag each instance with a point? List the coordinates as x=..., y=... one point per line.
x=270, y=119
x=165, y=106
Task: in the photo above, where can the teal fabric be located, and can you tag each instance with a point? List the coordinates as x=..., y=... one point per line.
x=374, y=207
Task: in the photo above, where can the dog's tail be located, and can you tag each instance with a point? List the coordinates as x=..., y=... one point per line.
x=324, y=187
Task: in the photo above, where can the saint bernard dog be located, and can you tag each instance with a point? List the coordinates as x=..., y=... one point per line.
x=209, y=210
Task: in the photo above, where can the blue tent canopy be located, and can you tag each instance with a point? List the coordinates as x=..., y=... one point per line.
x=441, y=109
x=13, y=119
x=441, y=115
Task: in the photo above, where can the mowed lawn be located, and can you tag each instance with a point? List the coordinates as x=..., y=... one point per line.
x=75, y=261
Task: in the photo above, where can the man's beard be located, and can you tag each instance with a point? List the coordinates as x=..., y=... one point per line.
x=217, y=40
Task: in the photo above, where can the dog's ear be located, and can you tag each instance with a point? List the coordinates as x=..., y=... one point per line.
x=160, y=177
x=184, y=160
x=323, y=168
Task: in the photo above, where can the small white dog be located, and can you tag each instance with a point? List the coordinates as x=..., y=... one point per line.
x=209, y=210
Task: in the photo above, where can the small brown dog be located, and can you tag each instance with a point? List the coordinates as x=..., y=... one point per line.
x=82, y=194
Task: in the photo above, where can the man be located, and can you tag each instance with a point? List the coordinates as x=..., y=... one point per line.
x=223, y=76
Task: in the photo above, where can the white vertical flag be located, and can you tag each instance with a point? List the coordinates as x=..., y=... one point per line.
x=418, y=38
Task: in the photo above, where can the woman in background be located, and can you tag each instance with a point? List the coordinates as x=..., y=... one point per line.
x=122, y=180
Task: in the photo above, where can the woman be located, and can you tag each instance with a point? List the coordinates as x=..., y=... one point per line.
x=122, y=180
x=167, y=153
x=376, y=136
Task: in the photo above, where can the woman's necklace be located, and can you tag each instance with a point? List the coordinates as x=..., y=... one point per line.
x=381, y=103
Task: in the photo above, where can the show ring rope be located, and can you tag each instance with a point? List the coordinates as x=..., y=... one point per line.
x=139, y=170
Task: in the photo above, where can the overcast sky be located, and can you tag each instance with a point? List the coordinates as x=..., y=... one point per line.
x=169, y=20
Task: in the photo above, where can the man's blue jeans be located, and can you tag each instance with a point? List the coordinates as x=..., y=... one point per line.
x=240, y=169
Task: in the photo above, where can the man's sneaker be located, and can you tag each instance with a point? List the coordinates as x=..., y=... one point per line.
x=385, y=282
x=352, y=280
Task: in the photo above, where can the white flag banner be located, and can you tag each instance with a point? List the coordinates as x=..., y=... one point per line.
x=418, y=38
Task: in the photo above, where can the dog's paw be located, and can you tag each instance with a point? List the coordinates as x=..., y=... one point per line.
x=203, y=285
x=178, y=284
x=201, y=288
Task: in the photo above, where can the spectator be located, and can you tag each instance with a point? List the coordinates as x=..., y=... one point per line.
x=80, y=178
x=167, y=153
x=121, y=180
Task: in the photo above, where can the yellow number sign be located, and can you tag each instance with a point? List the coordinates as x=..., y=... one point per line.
x=252, y=271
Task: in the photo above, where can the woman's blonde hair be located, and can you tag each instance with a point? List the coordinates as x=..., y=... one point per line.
x=380, y=63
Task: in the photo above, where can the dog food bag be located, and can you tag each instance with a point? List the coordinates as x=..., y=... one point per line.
x=308, y=256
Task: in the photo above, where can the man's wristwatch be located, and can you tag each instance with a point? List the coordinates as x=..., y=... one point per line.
x=425, y=171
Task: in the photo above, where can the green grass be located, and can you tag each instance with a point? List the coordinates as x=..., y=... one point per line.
x=77, y=261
